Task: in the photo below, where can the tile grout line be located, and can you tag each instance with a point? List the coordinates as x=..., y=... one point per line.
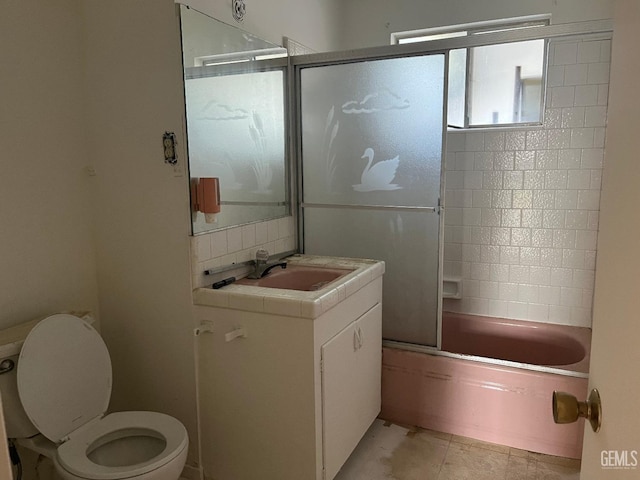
x=444, y=458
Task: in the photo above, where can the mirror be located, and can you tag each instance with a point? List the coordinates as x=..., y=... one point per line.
x=236, y=124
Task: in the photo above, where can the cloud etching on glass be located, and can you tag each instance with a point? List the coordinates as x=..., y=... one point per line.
x=376, y=102
x=379, y=176
x=213, y=110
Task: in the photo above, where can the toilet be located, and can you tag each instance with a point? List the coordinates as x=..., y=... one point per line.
x=63, y=381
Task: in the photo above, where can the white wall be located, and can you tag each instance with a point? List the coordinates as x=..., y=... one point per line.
x=47, y=262
x=134, y=80
x=96, y=87
x=522, y=206
x=367, y=23
x=5, y=461
x=141, y=214
x=310, y=22
x=616, y=330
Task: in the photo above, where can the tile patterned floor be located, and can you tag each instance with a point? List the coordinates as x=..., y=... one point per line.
x=390, y=451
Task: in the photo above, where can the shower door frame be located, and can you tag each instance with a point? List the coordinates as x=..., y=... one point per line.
x=443, y=46
x=355, y=56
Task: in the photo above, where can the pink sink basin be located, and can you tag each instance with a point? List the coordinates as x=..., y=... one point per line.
x=297, y=277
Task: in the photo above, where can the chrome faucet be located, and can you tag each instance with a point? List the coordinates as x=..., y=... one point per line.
x=261, y=266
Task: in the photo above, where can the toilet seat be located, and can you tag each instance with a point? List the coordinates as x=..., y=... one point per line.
x=64, y=384
x=64, y=375
x=73, y=455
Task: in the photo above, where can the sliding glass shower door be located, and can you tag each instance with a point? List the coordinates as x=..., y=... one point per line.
x=371, y=144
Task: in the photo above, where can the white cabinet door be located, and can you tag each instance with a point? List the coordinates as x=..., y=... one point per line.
x=351, y=372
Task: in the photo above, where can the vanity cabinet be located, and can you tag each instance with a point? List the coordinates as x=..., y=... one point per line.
x=350, y=373
x=288, y=396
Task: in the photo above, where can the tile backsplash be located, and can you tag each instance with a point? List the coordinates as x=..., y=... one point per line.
x=522, y=205
x=239, y=244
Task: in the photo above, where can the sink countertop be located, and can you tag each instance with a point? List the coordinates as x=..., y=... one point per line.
x=295, y=303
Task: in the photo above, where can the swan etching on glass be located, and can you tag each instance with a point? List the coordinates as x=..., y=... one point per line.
x=378, y=176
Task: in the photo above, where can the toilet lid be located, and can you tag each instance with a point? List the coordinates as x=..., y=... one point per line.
x=64, y=375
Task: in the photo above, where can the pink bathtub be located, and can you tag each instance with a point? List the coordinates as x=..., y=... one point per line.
x=508, y=403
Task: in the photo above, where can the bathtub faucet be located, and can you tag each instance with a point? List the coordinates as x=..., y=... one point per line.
x=261, y=266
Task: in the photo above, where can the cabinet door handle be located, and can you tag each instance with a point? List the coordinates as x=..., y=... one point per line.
x=233, y=334
x=357, y=338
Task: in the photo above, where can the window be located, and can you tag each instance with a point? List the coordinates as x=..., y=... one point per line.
x=493, y=85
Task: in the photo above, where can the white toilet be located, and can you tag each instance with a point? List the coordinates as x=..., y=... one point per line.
x=63, y=382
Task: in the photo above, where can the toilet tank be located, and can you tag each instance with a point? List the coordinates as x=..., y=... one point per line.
x=18, y=424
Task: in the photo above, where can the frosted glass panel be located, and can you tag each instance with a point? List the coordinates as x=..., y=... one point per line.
x=457, y=87
x=237, y=133
x=372, y=131
x=407, y=242
x=371, y=137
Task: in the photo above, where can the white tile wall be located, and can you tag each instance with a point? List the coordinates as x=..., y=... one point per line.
x=522, y=206
x=239, y=244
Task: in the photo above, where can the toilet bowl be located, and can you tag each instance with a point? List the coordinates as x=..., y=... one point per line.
x=147, y=445
x=64, y=384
